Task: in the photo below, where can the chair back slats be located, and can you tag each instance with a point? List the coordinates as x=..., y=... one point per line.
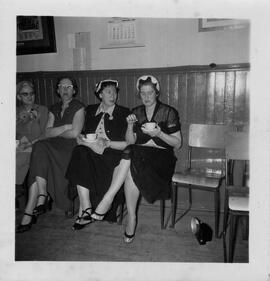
x=208, y=136
x=237, y=146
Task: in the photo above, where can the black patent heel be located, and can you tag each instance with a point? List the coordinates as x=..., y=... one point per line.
x=43, y=208
x=25, y=227
x=78, y=226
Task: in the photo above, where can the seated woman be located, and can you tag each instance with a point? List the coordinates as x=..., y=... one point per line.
x=50, y=157
x=31, y=120
x=147, y=165
x=93, y=162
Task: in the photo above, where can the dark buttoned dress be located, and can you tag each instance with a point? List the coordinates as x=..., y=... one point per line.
x=94, y=171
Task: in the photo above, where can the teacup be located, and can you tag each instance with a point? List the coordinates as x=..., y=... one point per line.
x=91, y=137
x=150, y=126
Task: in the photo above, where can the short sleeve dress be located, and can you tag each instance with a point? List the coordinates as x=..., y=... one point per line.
x=50, y=157
x=92, y=170
x=152, y=168
x=32, y=126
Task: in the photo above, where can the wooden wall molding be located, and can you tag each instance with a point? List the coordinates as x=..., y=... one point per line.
x=201, y=94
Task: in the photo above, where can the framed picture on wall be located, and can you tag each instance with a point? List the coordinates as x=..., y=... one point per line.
x=35, y=35
x=212, y=24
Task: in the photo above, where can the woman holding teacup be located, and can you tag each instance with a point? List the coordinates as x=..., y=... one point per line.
x=148, y=163
x=98, y=153
x=50, y=157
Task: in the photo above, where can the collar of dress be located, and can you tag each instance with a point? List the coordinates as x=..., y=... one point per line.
x=101, y=110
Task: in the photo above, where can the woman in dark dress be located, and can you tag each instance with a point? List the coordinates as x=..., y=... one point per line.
x=93, y=162
x=50, y=157
x=148, y=163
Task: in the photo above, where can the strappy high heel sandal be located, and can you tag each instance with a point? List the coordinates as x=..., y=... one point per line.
x=43, y=208
x=129, y=238
x=25, y=227
x=98, y=217
x=79, y=226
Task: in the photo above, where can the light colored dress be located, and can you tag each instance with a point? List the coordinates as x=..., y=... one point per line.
x=30, y=126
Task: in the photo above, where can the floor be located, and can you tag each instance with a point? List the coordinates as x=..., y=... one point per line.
x=52, y=239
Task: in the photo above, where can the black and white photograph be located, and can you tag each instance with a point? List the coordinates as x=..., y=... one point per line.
x=138, y=141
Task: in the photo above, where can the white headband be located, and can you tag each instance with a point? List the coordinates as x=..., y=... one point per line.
x=144, y=78
x=99, y=84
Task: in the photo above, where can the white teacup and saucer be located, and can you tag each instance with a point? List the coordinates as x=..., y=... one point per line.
x=149, y=126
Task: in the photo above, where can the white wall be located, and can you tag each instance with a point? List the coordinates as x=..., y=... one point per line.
x=168, y=42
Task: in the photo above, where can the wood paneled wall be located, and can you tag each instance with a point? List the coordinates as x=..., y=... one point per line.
x=201, y=94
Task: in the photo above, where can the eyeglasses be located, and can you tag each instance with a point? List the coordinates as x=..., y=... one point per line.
x=69, y=87
x=26, y=94
x=153, y=80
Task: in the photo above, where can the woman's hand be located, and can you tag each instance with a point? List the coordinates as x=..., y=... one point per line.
x=131, y=119
x=80, y=139
x=24, y=144
x=153, y=133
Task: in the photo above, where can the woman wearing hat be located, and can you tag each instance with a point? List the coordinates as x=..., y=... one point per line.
x=93, y=161
x=50, y=157
x=148, y=163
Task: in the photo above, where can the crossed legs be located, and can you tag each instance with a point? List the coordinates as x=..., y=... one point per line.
x=121, y=175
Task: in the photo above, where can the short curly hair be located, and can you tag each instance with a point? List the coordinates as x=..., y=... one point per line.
x=23, y=83
x=73, y=82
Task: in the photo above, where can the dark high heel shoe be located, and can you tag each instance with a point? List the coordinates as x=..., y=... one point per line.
x=43, y=208
x=129, y=238
x=78, y=226
x=25, y=227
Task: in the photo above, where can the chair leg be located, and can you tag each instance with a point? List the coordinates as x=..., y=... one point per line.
x=173, y=203
x=73, y=207
x=225, y=215
x=217, y=212
x=162, y=208
x=245, y=227
x=232, y=236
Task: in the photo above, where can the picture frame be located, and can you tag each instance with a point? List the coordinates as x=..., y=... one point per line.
x=35, y=35
x=213, y=24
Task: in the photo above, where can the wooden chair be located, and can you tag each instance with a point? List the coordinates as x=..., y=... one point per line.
x=204, y=137
x=236, y=200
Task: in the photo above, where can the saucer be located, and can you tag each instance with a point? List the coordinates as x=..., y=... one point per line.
x=147, y=129
x=87, y=140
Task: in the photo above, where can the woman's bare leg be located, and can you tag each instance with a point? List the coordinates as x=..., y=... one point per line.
x=119, y=176
x=31, y=203
x=85, y=202
x=132, y=195
x=41, y=184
